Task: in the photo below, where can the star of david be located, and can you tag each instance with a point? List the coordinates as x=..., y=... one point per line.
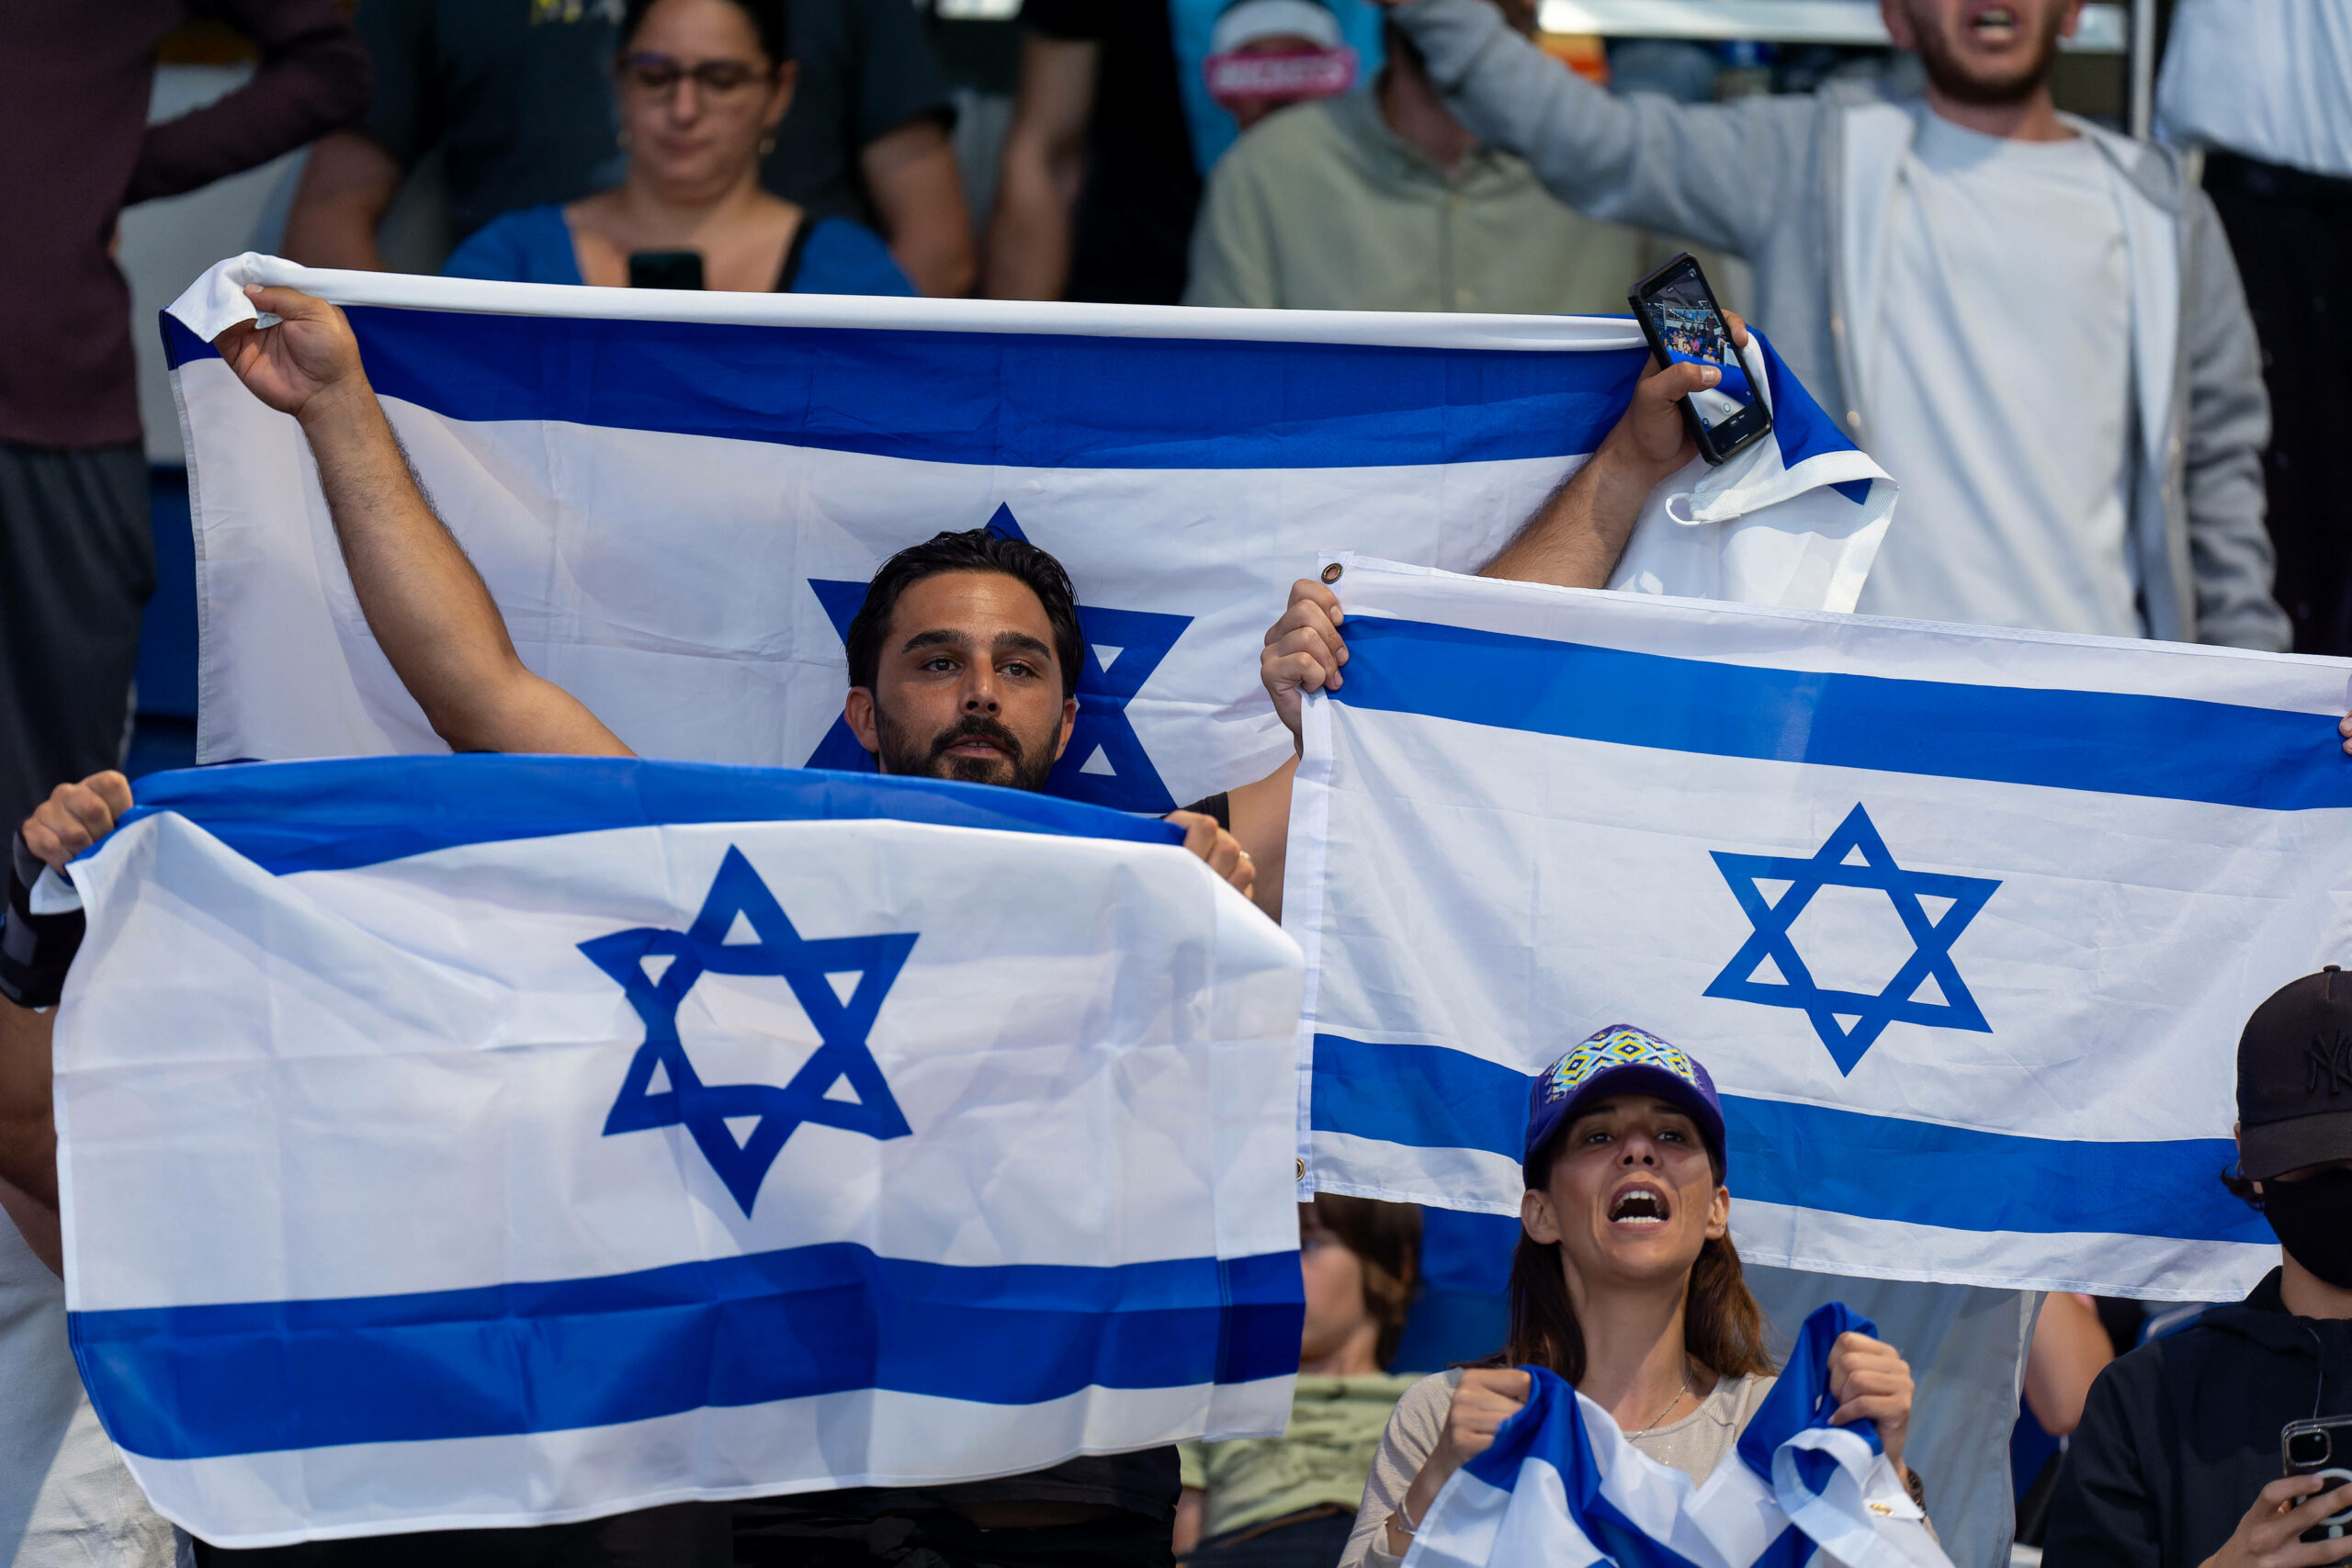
x=662, y=1089
x=1854, y=856
x=1105, y=763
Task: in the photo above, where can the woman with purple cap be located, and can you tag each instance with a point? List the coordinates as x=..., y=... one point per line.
x=1625, y=1283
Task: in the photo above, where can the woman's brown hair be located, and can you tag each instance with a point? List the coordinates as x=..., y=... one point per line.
x=1387, y=1239
x=1723, y=1328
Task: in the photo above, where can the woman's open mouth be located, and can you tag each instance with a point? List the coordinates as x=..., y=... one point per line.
x=1638, y=1208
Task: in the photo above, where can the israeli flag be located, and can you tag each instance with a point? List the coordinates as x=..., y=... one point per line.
x=494, y=1141
x=1561, y=1486
x=677, y=499
x=1964, y=922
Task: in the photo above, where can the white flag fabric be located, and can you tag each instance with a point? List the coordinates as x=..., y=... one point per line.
x=1561, y=1486
x=1964, y=922
x=677, y=499
x=498, y=1140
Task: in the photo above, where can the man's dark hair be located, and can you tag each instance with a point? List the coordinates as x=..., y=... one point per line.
x=2241, y=1190
x=974, y=549
x=768, y=19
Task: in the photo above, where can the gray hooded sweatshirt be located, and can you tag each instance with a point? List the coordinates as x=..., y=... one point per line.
x=1803, y=186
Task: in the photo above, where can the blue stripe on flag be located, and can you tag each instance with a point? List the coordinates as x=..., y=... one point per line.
x=1023, y=400
x=343, y=812
x=256, y=1377
x=2110, y=742
x=1813, y=1156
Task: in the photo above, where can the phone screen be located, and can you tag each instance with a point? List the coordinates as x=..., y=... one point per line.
x=1693, y=331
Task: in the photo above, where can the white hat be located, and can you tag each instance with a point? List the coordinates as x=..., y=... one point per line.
x=1245, y=21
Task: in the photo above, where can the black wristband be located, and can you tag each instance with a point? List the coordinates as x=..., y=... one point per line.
x=35, y=950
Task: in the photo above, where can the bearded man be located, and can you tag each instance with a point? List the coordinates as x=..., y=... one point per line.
x=2033, y=324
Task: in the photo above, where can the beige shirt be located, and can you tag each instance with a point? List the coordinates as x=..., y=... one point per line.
x=1693, y=1445
x=1325, y=207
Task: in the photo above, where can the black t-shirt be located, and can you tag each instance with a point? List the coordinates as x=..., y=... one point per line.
x=865, y=70
x=1135, y=214
x=519, y=94
x=1144, y=1482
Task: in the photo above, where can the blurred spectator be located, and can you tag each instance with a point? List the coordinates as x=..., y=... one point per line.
x=1110, y=130
x=76, y=558
x=1382, y=200
x=703, y=84
x=2033, y=324
x=77, y=563
x=519, y=101
x=1288, y=1502
x=2268, y=89
x=2176, y=1459
x=1095, y=199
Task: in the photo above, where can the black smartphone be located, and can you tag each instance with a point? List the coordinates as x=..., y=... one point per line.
x=2321, y=1447
x=665, y=269
x=1680, y=316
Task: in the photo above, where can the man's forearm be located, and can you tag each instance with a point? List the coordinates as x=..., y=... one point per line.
x=1577, y=538
x=911, y=173
x=28, y=1122
x=427, y=606
x=1029, y=235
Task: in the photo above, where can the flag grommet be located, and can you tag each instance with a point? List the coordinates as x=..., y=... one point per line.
x=1331, y=572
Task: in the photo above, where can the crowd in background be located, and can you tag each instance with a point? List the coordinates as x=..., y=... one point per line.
x=2108, y=377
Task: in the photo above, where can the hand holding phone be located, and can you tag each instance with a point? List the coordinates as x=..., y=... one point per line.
x=1684, y=325
x=2321, y=1447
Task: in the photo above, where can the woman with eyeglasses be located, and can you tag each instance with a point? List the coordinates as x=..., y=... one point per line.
x=702, y=85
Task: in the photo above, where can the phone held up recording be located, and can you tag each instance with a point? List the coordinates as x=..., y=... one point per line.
x=1680, y=316
x=2321, y=1447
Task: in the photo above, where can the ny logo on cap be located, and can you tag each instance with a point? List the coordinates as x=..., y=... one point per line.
x=2330, y=1057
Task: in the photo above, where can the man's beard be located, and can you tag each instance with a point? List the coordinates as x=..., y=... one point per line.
x=908, y=755
x=1951, y=73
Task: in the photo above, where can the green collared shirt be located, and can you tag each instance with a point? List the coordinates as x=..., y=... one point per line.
x=1324, y=207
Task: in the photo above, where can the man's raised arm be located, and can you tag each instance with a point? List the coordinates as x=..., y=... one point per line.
x=1574, y=540
x=426, y=605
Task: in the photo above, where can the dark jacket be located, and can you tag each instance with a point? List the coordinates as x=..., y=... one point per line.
x=2179, y=1435
x=76, y=149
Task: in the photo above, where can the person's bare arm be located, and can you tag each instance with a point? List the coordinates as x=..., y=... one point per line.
x=910, y=173
x=347, y=187
x=74, y=816
x=1044, y=166
x=430, y=612
x=1577, y=538
x=28, y=1128
x=1573, y=541
x=2070, y=1349
x=1192, y=1510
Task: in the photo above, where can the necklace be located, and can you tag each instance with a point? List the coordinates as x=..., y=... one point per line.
x=1669, y=1405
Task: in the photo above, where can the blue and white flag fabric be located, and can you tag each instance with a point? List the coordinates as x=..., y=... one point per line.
x=1964, y=922
x=497, y=1140
x=1561, y=1486
x=677, y=499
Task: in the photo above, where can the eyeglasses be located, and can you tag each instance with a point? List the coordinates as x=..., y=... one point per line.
x=660, y=75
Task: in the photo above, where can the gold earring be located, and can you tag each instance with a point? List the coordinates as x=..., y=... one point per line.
x=767, y=144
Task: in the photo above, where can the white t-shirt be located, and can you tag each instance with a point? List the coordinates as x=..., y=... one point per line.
x=66, y=1499
x=2269, y=79
x=2000, y=385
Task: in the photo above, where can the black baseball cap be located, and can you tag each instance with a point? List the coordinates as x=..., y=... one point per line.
x=2295, y=1078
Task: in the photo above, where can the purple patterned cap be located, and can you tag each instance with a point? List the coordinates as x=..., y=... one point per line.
x=1621, y=1059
